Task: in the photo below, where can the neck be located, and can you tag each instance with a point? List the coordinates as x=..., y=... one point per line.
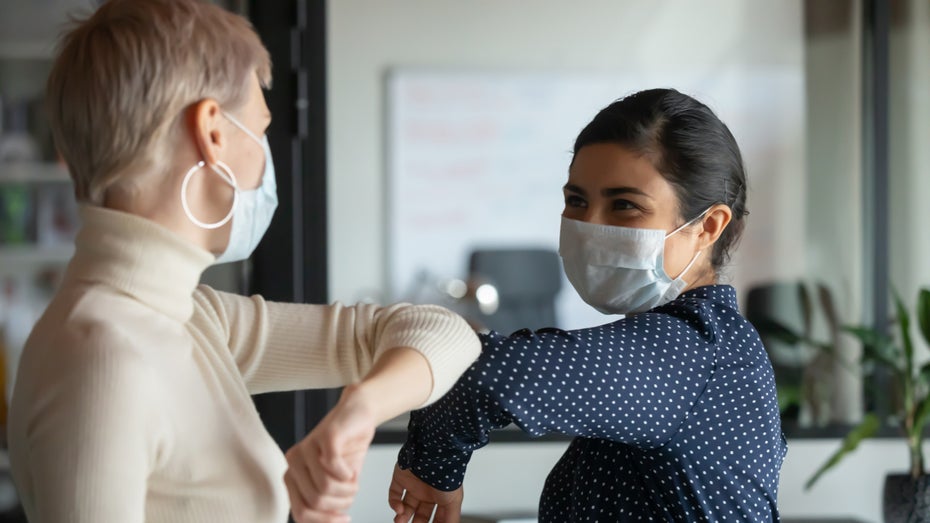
x=706, y=275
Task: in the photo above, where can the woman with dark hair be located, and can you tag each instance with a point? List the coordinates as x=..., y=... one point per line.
x=673, y=407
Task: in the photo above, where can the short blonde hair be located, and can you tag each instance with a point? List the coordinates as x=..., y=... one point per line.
x=124, y=76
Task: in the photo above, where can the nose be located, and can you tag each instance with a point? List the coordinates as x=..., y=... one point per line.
x=594, y=216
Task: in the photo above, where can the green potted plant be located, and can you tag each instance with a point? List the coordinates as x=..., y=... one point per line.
x=785, y=315
x=906, y=495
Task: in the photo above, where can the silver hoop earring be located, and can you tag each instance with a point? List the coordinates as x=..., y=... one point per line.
x=224, y=172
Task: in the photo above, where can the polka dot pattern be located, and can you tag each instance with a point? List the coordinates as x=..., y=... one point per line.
x=674, y=413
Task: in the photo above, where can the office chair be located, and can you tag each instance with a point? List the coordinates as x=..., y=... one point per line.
x=527, y=282
x=784, y=313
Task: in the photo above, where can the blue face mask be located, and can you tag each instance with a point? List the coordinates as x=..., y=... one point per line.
x=251, y=211
x=619, y=270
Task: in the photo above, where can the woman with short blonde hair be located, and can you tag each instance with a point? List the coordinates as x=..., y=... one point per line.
x=132, y=401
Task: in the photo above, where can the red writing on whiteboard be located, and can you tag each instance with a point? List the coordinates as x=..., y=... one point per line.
x=446, y=132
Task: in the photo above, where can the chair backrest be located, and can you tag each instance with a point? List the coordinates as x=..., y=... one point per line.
x=800, y=328
x=796, y=306
x=527, y=282
x=788, y=303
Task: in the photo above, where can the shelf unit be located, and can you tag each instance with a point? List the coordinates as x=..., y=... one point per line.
x=29, y=255
x=19, y=258
x=28, y=34
x=26, y=51
x=33, y=172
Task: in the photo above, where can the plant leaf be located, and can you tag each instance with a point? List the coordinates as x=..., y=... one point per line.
x=923, y=410
x=923, y=313
x=877, y=347
x=788, y=396
x=807, y=309
x=923, y=377
x=904, y=323
x=864, y=430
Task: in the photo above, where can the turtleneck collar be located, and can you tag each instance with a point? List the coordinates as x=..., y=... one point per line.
x=140, y=258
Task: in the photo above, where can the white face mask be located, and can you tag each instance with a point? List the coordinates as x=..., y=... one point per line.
x=619, y=270
x=251, y=210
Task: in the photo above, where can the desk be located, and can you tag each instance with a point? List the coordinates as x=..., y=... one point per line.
x=513, y=517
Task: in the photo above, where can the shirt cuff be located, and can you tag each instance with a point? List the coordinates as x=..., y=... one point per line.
x=440, y=468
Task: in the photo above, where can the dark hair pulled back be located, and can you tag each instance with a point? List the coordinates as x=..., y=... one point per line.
x=688, y=145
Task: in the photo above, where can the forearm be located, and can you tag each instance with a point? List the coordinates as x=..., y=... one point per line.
x=442, y=436
x=401, y=380
x=286, y=346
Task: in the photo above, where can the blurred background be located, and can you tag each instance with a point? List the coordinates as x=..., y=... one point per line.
x=421, y=147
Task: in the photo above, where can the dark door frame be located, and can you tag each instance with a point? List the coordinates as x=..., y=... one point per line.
x=290, y=265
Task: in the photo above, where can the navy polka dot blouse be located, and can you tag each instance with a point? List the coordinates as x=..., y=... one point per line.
x=674, y=413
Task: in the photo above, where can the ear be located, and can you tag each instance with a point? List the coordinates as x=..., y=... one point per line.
x=204, y=125
x=713, y=224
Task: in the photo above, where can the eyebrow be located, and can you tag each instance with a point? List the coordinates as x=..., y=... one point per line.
x=609, y=192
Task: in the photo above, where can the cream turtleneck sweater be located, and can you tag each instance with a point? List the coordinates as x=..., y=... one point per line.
x=132, y=401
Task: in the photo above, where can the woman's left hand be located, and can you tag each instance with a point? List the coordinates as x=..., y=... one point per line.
x=323, y=469
x=414, y=501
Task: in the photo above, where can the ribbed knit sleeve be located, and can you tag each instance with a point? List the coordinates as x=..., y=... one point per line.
x=281, y=346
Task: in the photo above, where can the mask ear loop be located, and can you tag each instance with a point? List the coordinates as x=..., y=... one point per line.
x=263, y=143
x=697, y=254
x=689, y=222
x=242, y=126
x=224, y=172
x=690, y=264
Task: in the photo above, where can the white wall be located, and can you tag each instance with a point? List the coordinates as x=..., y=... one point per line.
x=367, y=37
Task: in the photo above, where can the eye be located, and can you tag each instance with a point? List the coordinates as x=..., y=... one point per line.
x=624, y=205
x=573, y=200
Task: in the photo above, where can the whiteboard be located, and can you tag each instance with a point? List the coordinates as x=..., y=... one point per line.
x=478, y=158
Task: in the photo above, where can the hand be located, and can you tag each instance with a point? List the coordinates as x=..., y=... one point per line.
x=323, y=469
x=410, y=497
